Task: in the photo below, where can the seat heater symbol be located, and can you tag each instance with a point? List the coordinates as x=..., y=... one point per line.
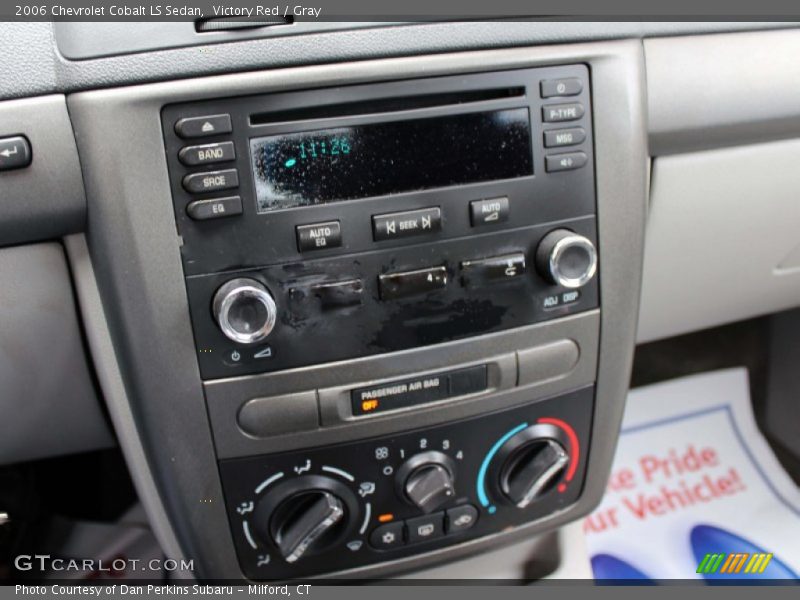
x=304, y=468
x=366, y=489
x=389, y=537
x=263, y=559
x=425, y=530
x=463, y=521
x=245, y=507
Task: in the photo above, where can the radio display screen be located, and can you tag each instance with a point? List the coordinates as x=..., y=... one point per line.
x=345, y=163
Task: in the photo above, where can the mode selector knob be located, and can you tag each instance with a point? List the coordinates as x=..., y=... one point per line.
x=427, y=480
x=245, y=311
x=567, y=259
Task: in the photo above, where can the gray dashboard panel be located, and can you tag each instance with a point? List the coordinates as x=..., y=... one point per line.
x=47, y=397
x=32, y=64
x=743, y=91
x=135, y=253
x=44, y=200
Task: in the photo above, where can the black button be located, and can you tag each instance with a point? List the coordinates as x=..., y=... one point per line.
x=565, y=162
x=207, y=153
x=556, y=113
x=475, y=273
x=568, y=86
x=340, y=293
x=563, y=137
x=406, y=224
x=411, y=283
x=399, y=394
x=461, y=518
x=15, y=153
x=211, y=181
x=425, y=528
x=468, y=381
x=216, y=208
x=387, y=536
x=489, y=211
x=319, y=236
x=196, y=127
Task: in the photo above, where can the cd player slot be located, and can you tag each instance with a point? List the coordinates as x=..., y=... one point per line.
x=386, y=105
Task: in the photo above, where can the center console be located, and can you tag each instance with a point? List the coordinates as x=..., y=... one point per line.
x=381, y=315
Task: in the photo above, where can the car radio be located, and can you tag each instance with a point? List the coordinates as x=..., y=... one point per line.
x=324, y=225
x=319, y=226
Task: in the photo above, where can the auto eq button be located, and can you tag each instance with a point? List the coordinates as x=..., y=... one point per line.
x=319, y=236
x=406, y=224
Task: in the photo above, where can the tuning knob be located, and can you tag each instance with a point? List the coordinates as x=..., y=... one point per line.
x=245, y=310
x=531, y=463
x=567, y=259
x=306, y=515
x=427, y=480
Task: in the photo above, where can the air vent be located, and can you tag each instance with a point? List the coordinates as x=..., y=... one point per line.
x=221, y=24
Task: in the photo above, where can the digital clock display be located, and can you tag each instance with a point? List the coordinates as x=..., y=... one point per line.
x=345, y=163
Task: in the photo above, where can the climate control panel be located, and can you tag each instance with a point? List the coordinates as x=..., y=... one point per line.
x=330, y=509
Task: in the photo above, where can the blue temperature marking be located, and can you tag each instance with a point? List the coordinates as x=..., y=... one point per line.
x=484, y=499
x=290, y=163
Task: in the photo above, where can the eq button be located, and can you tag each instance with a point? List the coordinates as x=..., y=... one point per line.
x=406, y=224
x=202, y=210
x=319, y=236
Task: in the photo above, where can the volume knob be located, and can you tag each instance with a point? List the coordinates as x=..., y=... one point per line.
x=567, y=259
x=245, y=310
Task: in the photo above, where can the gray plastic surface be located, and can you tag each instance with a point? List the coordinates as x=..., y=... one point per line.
x=47, y=399
x=334, y=382
x=44, y=200
x=136, y=257
x=79, y=40
x=722, y=238
x=722, y=90
x=276, y=415
x=782, y=408
x=31, y=63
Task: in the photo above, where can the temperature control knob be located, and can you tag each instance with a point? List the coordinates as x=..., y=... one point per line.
x=245, y=310
x=567, y=259
x=531, y=463
x=427, y=480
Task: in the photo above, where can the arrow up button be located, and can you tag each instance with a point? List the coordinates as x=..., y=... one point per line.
x=15, y=153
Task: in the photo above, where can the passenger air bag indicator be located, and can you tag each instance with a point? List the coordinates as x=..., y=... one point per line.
x=419, y=390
